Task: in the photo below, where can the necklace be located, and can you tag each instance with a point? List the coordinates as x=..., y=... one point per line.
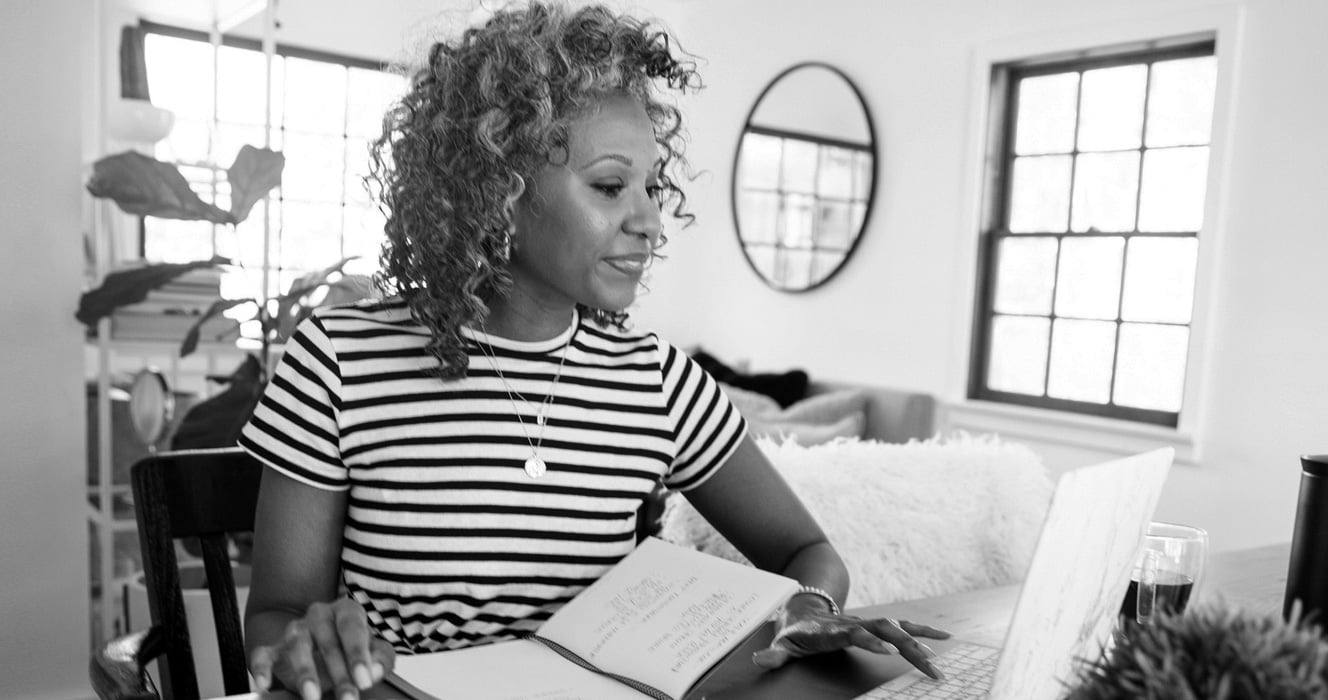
x=534, y=465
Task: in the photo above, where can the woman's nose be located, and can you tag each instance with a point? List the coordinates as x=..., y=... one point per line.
x=645, y=219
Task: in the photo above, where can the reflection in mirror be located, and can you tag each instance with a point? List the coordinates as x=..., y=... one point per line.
x=803, y=177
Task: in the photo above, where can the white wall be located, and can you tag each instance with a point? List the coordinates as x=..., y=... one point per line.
x=897, y=315
x=43, y=529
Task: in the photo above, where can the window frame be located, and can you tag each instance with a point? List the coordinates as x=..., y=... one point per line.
x=1086, y=436
x=275, y=271
x=1004, y=78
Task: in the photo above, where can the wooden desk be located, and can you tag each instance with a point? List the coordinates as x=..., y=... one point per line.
x=1252, y=579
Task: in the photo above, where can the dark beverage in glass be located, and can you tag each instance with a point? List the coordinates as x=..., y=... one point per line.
x=1172, y=593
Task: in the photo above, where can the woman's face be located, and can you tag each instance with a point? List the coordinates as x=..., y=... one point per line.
x=585, y=228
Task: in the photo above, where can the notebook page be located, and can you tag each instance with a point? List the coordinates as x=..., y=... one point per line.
x=665, y=614
x=521, y=670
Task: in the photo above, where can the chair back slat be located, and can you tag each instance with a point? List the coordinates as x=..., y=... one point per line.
x=225, y=611
x=194, y=493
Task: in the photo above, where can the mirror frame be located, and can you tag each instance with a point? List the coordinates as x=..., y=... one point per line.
x=871, y=193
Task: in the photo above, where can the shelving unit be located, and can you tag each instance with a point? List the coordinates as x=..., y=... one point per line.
x=112, y=531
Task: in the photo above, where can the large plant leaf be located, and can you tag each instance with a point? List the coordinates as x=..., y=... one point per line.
x=190, y=342
x=124, y=287
x=292, y=307
x=148, y=187
x=253, y=174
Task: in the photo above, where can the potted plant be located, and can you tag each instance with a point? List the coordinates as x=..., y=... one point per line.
x=1210, y=652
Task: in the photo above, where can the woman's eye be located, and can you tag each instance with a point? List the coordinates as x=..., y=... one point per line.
x=610, y=189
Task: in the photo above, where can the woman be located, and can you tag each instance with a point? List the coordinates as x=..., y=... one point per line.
x=470, y=453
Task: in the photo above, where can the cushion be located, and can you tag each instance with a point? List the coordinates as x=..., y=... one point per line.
x=850, y=426
x=785, y=388
x=910, y=520
x=812, y=421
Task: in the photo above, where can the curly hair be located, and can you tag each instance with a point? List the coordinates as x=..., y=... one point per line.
x=487, y=112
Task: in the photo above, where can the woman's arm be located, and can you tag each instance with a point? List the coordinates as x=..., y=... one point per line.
x=296, y=629
x=751, y=505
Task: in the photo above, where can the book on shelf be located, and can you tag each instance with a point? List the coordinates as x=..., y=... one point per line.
x=653, y=626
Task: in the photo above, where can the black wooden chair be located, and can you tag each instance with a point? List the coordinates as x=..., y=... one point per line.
x=204, y=494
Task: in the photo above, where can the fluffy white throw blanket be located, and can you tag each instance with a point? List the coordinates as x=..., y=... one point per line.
x=912, y=520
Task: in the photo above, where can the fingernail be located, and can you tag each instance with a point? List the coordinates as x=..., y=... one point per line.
x=362, y=677
x=264, y=682
x=309, y=690
x=934, y=672
x=377, y=670
x=927, y=650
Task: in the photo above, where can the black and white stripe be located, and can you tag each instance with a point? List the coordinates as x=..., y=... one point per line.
x=447, y=541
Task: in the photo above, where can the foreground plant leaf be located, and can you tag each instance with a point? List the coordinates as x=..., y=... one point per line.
x=253, y=174
x=148, y=187
x=124, y=287
x=190, y=342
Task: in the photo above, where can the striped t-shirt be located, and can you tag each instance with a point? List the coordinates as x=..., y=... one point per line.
x=448, y=542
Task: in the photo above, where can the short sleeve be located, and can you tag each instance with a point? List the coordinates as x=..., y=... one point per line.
x=706, y=427
x=294, y=427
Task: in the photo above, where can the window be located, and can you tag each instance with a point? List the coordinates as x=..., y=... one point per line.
x=1089, y=255
x=803, y=200
x=325, y=111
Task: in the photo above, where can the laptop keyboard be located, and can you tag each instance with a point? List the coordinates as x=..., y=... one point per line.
x=968, y=670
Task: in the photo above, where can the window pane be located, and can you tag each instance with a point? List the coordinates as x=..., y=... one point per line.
x=315, y=96
x=1105, y=189
x=313, y=167
x=1025, y=273
x=1174, y=183
x=763, y=259
x=1046, y=114
x=357, y=169
x=230, y=137
x=825, y=264
x=364, y=233
x=1111, y=112
x=180, y=75
x=241, y=79
x=758, y=216
x=864, y=170
x=310, y=235
x=1150, y=372
x=796, y=222
x=1180, y=101
x=1040, y=200
x=758, y=163
x=245, y=243
x=1018, y=354
x=835, y=177
x=188, y=142
x=834, y=223
x=799, y=166
x=1159, y=279
x=368, y=97
x=795, y=268
x=1081, y=355
x=1089, y=277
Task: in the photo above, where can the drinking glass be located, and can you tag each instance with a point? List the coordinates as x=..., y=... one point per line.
x=1167, y=572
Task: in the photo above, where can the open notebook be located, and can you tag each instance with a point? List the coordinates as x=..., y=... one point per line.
x=653, y=626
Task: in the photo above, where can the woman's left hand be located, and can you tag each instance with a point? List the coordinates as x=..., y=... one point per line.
x=803, y=630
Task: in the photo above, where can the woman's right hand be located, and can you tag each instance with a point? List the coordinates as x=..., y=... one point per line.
x=330, y=648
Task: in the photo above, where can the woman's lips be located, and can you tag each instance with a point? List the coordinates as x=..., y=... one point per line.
x=632, y=265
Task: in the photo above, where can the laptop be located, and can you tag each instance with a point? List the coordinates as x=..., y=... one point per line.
x=1071, y=596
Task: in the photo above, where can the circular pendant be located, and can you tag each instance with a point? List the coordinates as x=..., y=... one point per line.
x=535, y=467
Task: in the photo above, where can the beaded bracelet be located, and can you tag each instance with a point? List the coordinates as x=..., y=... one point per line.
x=813, y=590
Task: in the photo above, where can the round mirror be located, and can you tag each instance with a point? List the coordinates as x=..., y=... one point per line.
x=151, y=406
x=804, y=177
